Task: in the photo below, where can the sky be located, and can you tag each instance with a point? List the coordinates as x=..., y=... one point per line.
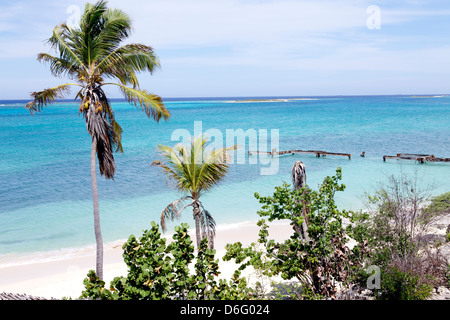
x=249, y=48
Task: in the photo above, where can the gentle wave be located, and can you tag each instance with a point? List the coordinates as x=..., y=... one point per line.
x=10, y=260
x=13, y=259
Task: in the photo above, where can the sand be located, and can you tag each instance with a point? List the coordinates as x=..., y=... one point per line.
x=62, y=276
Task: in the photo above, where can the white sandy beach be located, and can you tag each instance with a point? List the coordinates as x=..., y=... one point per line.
x=58, y=277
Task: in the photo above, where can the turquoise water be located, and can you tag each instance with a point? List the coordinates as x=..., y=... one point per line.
x=45, y=190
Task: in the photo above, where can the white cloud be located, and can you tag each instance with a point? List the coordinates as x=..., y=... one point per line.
x=171, y=23
x=283, y=34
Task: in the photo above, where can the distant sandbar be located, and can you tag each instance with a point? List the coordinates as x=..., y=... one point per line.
x=269, y=100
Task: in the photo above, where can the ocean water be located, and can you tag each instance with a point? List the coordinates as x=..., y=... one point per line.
x=45, y=188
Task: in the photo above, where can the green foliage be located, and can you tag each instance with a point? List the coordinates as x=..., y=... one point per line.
x=399, y=285
x=439, y=204
x=396, y=233
x=314, y=265
x=447, y=275
x=157, y=270
x=291, y=291
x=317, y=264
x=193, y=170
x=94, y=285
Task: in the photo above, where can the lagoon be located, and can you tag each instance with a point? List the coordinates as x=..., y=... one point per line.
x=45, y=191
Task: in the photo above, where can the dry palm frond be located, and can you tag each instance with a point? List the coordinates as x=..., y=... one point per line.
x=173, y=210
x=298, y=175
x=207, y=225
x=46, y=96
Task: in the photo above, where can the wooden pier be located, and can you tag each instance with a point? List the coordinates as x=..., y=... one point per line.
x=317, y=153
x=422, y=158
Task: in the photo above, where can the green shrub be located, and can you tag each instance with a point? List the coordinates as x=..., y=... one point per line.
x=317, y=262
x=160, y=271
x=447, y=275
x=397, y=238
x=439, y=204
x=399, y=285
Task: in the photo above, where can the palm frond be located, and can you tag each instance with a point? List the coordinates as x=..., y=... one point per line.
x=192, y=169
x=46, y=96
x=118, y=130
x=66, y=42
x=124, y=62
x=214, y=167
x=103, y=133
x=207, y=225
x=116, y=26
x=103, y=29
x=102, y=127
x=140, y=57
x=151, y=104
x=171, y=175
x=298, y=174
x=173, y=210
x=58, y=66
x=90, y=23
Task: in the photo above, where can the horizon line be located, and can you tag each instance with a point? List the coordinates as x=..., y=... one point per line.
x=269, y=97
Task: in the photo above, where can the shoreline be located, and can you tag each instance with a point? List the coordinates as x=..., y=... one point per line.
x=62, y=276
x=51, y=255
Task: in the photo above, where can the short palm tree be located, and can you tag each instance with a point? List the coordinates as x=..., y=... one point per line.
x=193, y=172
x=89, y=54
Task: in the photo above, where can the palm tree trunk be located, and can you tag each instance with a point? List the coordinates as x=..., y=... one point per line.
x=197, y=223
x=98, y=232
x=299, y=180
x=304, y=226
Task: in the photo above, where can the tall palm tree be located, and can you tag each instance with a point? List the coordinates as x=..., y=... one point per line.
x=89, y=54
x=193, y=172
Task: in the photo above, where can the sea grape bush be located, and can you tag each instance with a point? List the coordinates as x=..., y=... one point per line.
x=157, y=270
x=319, y=265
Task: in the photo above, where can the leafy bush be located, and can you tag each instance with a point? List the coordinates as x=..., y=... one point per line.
x=157, y=270
x=396, y=233
x=439, y=204
x=399, y=285
x=447, y=275
x=320, y=263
